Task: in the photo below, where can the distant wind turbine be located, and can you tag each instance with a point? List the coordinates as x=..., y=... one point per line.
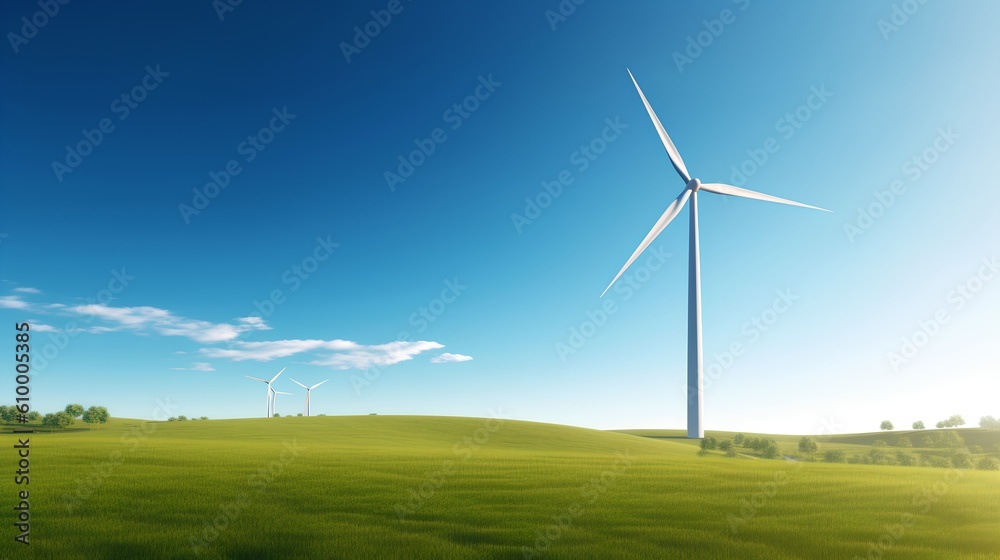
x=308, y=391
x=694, y=358
x=270, y=391
x=274, y=396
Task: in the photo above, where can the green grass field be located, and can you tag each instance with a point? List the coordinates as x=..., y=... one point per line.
x=384, y=487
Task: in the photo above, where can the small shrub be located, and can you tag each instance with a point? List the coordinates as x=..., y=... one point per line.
x=961, y=460
x=738, y=439
x=934, y=461
x=988, y=464
x=975, y=449
x=835, y=456
x=905, y=459
x=808, y=445
x=904, y=441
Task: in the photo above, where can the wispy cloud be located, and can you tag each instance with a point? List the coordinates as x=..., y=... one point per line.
x=41, y=327
x=197, y=366
x=12, y=302
x=166, y=323
x=337, y=354
x=28, y=290
x=448, y=357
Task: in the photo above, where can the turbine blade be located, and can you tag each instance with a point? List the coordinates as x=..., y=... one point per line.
x=318, y=384
x=730, y=190
x=297, y=383
x=276, y=376
x=675, y=156
x=675, y=208
x=256, y=378
x=281, y=393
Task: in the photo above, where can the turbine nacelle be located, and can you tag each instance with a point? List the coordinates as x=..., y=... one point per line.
x=694, y=185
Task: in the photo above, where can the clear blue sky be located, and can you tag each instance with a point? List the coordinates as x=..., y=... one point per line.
x=195, y=87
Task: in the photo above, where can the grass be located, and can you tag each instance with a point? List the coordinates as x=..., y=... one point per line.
x=489, y=490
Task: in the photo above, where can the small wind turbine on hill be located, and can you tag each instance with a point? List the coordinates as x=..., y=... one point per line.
x=274, y=397
x=270, y=392
x=308, y=391
x=691, y=188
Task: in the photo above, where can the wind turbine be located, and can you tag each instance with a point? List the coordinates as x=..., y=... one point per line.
x=274, y=396
x=690, y=192
x=270, y=397
x=308, y=391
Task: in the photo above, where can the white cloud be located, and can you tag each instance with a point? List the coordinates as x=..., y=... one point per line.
x=166, y=323
x=28, y=290
x=448, y=357
x=197, y=366
x=12, y=302
x=337, y=354
x=42, y=327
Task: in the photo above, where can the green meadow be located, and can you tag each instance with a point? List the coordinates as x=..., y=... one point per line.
x=406, y=487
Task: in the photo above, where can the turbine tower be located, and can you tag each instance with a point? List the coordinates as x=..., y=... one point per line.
x=308, y=391
x=691, y=188
x=270, y=391
x=274, y=396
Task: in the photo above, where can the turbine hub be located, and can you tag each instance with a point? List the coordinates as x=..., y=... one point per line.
x=694, y=185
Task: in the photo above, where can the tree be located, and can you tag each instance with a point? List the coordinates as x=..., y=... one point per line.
x=988, y=464
x=953, y=421
x=276, y=415
x=879, y=443
x=34, y=416
x=708, y=442
x=886, y=425
x=939, y=425
x=918, y=425
x=738, y=439
x=182, y=418
x=835, y=456
x=989, y=423
x=975, y=449
x=905, y=459
x=903, y=441
x=770, y=451
x=7, y=413
x=203, y=418
x=74, y=410
x=60, y=419
x=172, y=419
x=726, y=444
x=961, y=460
x=299, y=414
x=927, y=441
x=99, y=415
x=808, y=445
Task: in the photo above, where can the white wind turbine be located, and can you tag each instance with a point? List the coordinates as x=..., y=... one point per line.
x=274, y=396
x=270, y=391
x=694, y=358
x=308, y=391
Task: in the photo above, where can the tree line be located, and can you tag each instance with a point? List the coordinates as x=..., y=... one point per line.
x=95, y=415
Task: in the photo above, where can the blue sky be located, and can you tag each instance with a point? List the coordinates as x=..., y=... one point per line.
x=116, y=117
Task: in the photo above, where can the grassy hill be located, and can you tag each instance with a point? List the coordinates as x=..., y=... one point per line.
x=385, y=487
